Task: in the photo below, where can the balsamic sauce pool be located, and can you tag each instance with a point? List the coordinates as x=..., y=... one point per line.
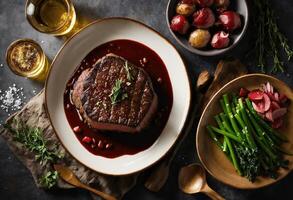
x=123, y=143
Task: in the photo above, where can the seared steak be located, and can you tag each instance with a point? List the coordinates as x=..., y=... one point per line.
x=115, y=95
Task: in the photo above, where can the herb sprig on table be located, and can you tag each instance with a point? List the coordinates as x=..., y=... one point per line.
x=33, y=140
x=49, y=179
x=271, y=43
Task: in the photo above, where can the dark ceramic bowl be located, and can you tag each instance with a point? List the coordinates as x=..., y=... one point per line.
x=240, y=6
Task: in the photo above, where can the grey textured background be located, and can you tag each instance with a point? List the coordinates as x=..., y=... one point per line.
x=15, y=180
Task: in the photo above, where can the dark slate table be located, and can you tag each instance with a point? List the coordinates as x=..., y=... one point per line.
x=15, y=180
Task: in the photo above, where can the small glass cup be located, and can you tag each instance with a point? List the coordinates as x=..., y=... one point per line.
x=55, y=17
x=25, y=57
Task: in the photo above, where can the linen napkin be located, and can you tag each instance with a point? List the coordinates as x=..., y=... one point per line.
x=33, y=114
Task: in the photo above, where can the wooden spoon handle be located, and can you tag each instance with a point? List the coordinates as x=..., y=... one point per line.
x=97, y=192
x=212, y=194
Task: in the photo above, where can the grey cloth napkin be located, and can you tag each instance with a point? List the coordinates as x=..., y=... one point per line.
x=33, y=114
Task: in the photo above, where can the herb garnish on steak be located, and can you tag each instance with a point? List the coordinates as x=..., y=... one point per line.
x=127, y=68
x=117, y=94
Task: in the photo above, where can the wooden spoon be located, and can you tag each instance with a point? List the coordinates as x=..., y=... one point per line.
x=192, y=180
x=67, y=175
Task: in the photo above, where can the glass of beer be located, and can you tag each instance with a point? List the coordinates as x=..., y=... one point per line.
x=25, y=57
x=55, y=17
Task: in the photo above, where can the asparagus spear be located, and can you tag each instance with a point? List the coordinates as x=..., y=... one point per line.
x=233, y=157
x=214, y=137
x=231, y=116
x=225, y=133
x=264, y=124
x=217, y=118
x=245, y=119
x=231, y=154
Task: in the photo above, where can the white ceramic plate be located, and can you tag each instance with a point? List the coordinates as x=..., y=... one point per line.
x=69, y=57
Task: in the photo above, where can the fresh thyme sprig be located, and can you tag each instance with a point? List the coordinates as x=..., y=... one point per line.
x=32, y=139
x=270, y=40
x=117, y=94
x=49, y=179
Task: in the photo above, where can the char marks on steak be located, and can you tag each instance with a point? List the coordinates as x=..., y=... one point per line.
x=91, y=96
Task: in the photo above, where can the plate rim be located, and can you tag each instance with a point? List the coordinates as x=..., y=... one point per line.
x=184, y=68
x=197, y=133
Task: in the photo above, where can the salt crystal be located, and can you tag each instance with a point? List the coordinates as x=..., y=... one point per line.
x=17, y=103
x=11, y=99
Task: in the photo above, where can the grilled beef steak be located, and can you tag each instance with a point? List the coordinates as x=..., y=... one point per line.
x=115, y=95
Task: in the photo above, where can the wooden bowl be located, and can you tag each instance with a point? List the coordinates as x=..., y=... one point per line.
x=240, y=6
x=214, y=160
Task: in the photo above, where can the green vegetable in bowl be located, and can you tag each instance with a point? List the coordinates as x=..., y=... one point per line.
x=253, y=147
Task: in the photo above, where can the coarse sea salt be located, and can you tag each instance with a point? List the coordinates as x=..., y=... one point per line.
x=11, y=99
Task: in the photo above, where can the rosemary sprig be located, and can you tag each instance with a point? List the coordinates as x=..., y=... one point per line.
x=117, y=94
x=49, y=179
x=270, y=41
x=127, y=68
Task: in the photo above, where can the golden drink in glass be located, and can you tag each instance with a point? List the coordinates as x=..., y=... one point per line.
x=26, y=58
x=56, y=17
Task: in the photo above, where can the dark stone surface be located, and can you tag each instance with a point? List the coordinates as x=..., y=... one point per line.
x=15, y=180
